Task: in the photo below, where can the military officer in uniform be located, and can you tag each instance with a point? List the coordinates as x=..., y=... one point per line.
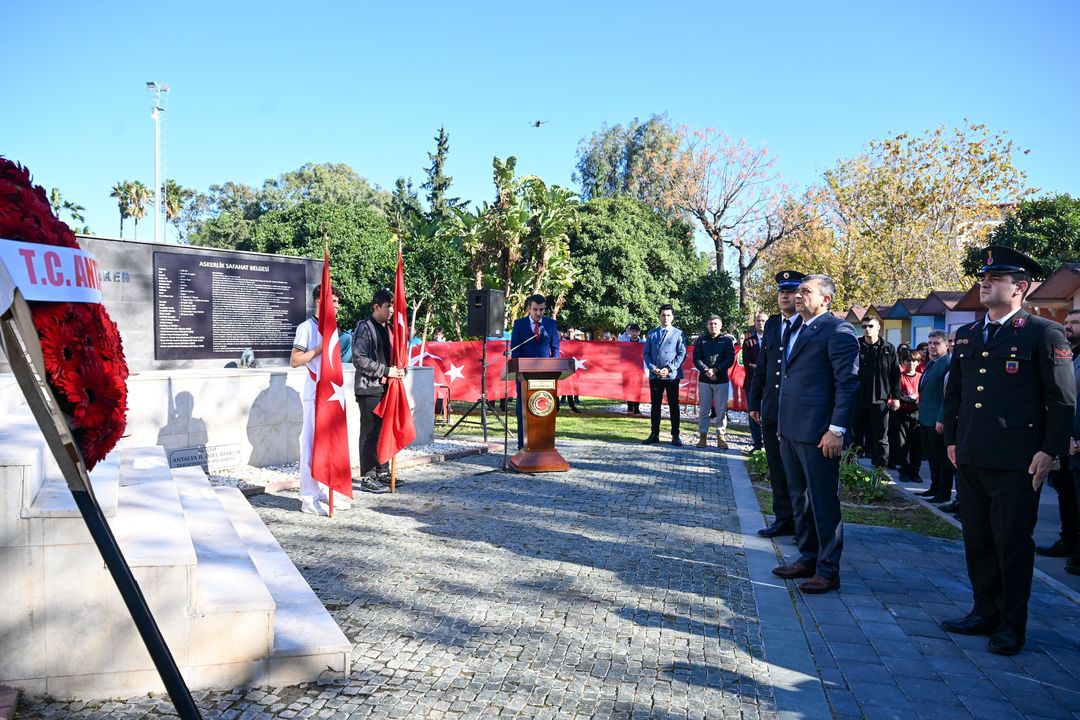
x=1008, y=416
x=764, y=397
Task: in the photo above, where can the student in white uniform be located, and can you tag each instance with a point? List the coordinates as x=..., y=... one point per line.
x=307, y=351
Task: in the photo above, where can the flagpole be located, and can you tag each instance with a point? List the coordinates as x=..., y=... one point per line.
x=393, y=475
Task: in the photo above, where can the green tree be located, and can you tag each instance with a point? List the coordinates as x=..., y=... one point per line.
x=61, y=205
x=438, y=182
x=363, y=255
x=629, y=260
x=1047, y=229
x=122, y=192
x=520, y=243
x=404, y=203
x=175, y=197
x=140, y=198
x=712, y=293
x=335, y=183
x=623, y=161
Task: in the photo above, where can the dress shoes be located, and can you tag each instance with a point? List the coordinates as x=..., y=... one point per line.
x=939, y=500
x=794, y=571
x=1058, y=549
x=676, y=441
x=950, y=507
x=926, y=493
x=1074, y=561
x=371, y=485
x=777, y=528
x=1005, y=641
x=970, y=624
x=651, y=440
x=818, y=585
x=1073, y=569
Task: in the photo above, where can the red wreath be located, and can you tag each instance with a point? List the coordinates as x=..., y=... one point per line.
x=84, y=356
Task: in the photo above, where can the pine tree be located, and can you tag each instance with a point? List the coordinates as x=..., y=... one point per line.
x=438, y=184
x=404, y=202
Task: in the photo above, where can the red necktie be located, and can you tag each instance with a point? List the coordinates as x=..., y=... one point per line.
x=536, y=328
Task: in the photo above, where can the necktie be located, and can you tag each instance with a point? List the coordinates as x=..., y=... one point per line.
x=536, y=328
x=663, y=336
x=991, y=330
x=790, y=326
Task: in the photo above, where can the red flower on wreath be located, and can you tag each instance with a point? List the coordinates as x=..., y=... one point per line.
x=80, y=344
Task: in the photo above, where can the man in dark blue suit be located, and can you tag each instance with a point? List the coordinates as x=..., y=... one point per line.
x=818, y=392
x=763, y=398
x=533, y=336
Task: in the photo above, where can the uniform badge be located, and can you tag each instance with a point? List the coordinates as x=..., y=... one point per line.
x=1019, y=322
x=1012, y=366
x=1062, y=353
x=989, y=257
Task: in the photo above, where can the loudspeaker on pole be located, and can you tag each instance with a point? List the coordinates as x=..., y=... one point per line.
x=487, y=309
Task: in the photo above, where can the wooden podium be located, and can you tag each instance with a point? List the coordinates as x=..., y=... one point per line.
x=539, y=397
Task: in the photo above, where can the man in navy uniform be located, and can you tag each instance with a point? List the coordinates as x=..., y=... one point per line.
x=1009, y=406
x=665, y=350
x=764, y=395
x=533, y=336
x=818, y=393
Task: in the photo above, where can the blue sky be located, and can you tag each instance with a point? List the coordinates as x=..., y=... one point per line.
x=261, y=88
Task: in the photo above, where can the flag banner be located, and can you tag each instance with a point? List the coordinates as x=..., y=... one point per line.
x=614, y=370
x=397, y=428
x=330, y=450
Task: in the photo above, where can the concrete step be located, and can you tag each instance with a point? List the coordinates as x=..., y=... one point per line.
x=232, y=620
x=22, y=445
x=308, y=644
x=53, y=498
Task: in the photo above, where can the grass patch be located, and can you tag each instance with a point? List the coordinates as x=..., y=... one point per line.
x=893, y=511
x=596, y=422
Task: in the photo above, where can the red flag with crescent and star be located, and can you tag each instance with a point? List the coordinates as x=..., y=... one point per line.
x=330, y=448
x=397, y=428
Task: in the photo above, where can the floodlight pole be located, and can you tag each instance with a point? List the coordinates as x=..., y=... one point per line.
x=158, y=97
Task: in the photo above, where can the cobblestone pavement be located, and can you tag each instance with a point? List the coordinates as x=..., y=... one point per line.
x=617, y=590
x=882, y=654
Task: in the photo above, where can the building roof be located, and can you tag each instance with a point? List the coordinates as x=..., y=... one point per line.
x=1060, y=287
x=939, y=301
x=903, y=308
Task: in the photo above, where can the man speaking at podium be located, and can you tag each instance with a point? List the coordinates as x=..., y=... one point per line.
x=533, y=336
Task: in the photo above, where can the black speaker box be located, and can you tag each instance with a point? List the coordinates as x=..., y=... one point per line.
x=486, y=310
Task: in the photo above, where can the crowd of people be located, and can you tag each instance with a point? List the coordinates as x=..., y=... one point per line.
x=991, y=408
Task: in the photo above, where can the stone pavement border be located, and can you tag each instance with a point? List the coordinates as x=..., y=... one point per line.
x=797, y=688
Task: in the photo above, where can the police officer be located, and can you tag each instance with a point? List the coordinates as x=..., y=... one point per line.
x=1008, y=416
x=764, y=397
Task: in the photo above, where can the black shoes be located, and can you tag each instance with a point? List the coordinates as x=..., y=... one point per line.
x=1005, y=641
x=371, y=485
x=926, y=493
x=651, y=440
x=1058, y=549
x=676, y=441
x=970, y=624
x=777, y=529
x=950, y=507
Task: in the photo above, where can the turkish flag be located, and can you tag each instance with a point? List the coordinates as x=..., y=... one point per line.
x=397, y=428
x=330, y=449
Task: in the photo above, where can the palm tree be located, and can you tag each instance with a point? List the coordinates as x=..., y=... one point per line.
x=60, y=205
x=139, y=196
x=176, y=197
x=122, y=192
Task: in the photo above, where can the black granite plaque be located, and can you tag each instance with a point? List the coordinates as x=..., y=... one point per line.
x=208, y=307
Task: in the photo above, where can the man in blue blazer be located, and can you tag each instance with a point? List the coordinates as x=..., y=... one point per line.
x=533, y=336
x=818, y=393
x=665, y=350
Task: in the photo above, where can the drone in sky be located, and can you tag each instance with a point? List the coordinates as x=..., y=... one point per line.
x=537, y=123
